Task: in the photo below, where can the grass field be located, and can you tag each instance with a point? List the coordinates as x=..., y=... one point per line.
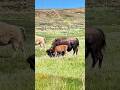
x=60, y=73
x=69, y=68
x=109, y=76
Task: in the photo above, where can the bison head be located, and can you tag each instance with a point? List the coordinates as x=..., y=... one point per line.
x=50, y=52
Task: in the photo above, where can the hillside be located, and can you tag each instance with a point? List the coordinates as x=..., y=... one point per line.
x=59, y=18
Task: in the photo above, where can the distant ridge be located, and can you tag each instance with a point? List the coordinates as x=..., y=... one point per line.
x=74, y=10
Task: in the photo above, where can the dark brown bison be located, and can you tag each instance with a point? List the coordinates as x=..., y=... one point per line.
x=94, y=43
x=72, y=43
x=57, y=51
x=31, y=61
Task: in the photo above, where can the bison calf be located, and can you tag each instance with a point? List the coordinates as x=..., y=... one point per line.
x=57, y=51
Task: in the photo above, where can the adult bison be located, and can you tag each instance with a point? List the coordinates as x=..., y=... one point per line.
x=31, y=61
x=57, y=51
x=11, y=34
x=94, y=43
x=40, y=41
x=72, y=43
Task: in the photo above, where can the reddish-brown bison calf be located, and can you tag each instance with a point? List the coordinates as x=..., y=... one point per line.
x=57, y=51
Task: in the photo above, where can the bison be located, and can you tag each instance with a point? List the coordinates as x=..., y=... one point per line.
x=95, y=41
x=72, y=43
x=40, y=41
x=11, y=34
x=31, y=61
x=57, y=51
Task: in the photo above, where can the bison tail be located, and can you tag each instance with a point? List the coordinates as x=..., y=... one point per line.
x=77, y=42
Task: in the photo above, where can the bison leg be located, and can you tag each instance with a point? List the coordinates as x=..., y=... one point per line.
x=75, y=50
x=56, y=54
x=40, y=44
x=63, y=53
x=94, y=57
x=44, y=45
x=100, y=59
x=59, y=54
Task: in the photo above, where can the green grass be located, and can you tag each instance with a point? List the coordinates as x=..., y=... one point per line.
x=62, y=73
x=58, y=83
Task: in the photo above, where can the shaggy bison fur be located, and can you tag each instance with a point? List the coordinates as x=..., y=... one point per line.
x=95, y=41
x=71, y=42
x=57, y=51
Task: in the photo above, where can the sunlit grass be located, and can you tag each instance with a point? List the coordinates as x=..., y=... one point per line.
x=71, y=68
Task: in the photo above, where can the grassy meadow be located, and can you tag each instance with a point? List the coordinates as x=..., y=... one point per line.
x=60, y=73
x=108, y=77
